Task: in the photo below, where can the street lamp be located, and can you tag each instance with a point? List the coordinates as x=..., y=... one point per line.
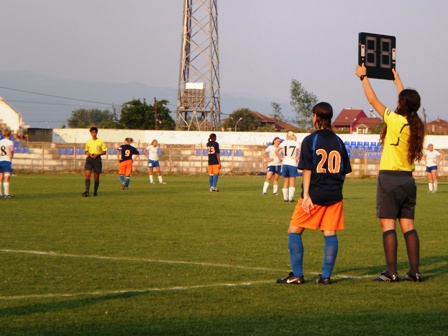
x=238, y=122
x=371, y=113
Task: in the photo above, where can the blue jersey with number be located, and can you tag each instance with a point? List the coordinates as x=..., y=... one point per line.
x=324, y=154
x=213, y=150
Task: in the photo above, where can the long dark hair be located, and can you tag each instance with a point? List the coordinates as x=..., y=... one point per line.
x=324, y=113
x=212, y=137
x=408, y=105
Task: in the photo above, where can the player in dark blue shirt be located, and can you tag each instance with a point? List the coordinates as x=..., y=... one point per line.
x=214, y=162
x=324, y=162
x=126, y=154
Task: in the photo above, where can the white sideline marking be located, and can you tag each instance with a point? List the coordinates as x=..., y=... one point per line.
x=148, y=290
x=93, y=256
x=130, y=291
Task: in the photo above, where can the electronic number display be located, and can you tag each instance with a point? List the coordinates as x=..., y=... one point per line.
x=378, y=53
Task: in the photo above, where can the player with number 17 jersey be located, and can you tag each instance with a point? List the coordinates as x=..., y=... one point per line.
x=325, y=155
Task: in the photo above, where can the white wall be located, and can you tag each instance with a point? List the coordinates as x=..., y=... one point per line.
x=77, y=135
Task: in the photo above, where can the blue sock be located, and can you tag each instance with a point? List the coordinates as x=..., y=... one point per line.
x=128, y=180
x=210, y=180
x=215, y=180
x=295, y=246
x=330, y=253
x=121, y=178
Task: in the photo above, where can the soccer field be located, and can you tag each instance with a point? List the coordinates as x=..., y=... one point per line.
x=176, y=259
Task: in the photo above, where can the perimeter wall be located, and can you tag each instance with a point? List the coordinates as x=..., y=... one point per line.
x=185, y=152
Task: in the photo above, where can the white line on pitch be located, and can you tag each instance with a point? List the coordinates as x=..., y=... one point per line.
x=93, y=256
x=130, y=291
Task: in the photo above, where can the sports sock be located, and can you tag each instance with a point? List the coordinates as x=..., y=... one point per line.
x=413, y=250
x=295, y=247
x=151, y=179
x=160, y=179
x=265, y=187
x=96, y=184
x=6, y=188
x=390, y=244
x=1, y=188
x=87, y=185
x=431, y=187
x=275, y=188
x=128, y=180
x=435, y=186
x=291, y=193
x=210, y=180
x=330, y=253
x=121, y=179
x=285, y=193
x=215, y=180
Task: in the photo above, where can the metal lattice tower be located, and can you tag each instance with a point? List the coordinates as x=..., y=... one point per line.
x=198, y=98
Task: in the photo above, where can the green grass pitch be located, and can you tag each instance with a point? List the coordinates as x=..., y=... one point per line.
x=176, y=259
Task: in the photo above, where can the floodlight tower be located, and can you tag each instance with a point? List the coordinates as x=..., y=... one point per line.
x=198, y=97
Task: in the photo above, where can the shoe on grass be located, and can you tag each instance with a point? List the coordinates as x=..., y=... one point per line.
x=384, y=277
x=323, y=281
x=291, y=279
x=417, y=277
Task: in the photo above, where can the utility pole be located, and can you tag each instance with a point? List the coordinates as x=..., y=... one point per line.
x=156, y=121
x=198, y=98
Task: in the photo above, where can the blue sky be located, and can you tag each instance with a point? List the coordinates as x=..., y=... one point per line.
x=263, y=46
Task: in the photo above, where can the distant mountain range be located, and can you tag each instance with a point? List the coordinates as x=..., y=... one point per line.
x=43, y=100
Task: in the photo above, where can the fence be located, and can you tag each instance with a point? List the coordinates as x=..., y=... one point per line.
x=186, y=159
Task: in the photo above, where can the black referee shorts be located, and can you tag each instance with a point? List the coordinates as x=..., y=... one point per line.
x=94, y=164
x=396, y=195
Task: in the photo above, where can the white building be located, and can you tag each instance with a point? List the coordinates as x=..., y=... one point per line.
x=9, y=117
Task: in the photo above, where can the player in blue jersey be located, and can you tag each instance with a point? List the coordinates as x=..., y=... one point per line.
x=126, y=154
x=324, y=162
x=214, y=162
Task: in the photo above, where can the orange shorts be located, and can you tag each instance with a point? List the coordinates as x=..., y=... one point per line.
x=213, y=169
x=329, y=217
x=125, y=167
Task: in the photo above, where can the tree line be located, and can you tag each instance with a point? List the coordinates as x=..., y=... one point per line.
x=138, y=114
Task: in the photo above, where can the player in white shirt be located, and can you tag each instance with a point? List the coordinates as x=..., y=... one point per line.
x=152, y=154
x=432, y=158
x=290, y=150
x=274, y=166
x=6, y=155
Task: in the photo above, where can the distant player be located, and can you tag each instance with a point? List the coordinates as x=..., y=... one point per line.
x=126, y=154
x=274, y=166
x=214, y=162
x=324, y=161
x=94, y=149
x=289, y=158
x=152, y=154
x=432, y=158
x=6, y=155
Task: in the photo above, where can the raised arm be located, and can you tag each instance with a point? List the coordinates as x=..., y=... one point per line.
x=361, y=72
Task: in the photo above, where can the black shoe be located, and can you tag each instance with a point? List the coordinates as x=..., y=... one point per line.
x=286, y=200
x=291, y=279
x=384, y=277
x=323, y=281
x=95, y=194
x=85, y=194
x=417, y=277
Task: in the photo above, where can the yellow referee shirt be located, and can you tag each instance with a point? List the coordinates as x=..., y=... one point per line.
x=95, y=146
x=396, y=146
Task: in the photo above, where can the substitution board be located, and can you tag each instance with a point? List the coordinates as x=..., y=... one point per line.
x=378, y=53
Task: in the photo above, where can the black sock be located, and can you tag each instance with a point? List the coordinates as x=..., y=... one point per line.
x=96, y=185
x=87, y=184
x=390, y=244
x=413, y=249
